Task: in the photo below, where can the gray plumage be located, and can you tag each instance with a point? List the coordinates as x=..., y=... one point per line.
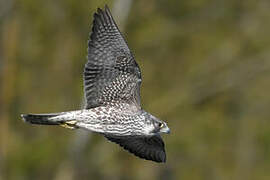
x=112, y=80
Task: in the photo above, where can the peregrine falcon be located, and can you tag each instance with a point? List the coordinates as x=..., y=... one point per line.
x=112, y=80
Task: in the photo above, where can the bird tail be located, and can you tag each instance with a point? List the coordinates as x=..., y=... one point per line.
x=41, y=119
x=50, y=119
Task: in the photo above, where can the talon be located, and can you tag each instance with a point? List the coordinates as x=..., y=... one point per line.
x=69, y=124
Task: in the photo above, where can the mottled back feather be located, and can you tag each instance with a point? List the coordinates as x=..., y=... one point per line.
x=111, y=74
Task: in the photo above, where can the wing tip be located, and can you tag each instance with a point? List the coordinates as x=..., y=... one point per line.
x=102, y=19
x=106, y=7
x=162, y=157
x=104, y=14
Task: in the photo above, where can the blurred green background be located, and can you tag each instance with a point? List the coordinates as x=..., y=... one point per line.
x=206, y=72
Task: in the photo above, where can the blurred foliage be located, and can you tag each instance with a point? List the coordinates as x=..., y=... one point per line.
x=206, y=72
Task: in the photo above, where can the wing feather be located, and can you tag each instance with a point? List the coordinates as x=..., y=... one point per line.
x=111, y=74
x=149, y=148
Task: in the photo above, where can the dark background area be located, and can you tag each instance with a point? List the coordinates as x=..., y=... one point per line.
x=206, y=72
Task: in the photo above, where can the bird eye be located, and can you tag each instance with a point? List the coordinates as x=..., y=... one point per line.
x=160, y=125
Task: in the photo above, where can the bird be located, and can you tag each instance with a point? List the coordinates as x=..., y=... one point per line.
x=112, y=80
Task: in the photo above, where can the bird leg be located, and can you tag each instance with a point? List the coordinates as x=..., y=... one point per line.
x=69, y=124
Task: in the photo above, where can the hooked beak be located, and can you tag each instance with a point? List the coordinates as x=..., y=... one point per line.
x=165, y=130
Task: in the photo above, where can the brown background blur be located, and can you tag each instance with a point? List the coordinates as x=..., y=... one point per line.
x=206, y=72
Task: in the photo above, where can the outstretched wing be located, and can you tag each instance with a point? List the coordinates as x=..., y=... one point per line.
x=150, y=148
x=111, y=74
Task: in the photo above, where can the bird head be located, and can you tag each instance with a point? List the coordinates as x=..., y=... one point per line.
x=156, y=126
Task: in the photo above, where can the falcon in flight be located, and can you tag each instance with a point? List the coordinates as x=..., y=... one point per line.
x=112, y=80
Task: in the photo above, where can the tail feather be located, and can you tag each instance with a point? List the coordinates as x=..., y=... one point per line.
x=42, y=119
